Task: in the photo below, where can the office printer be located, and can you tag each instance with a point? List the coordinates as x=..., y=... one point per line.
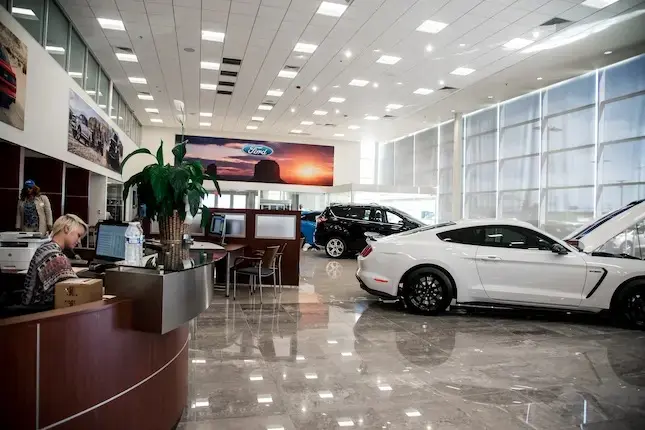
x=17, y=248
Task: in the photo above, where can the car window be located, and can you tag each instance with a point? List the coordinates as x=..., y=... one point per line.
x=466, y=236
x=354, y=212
x=378, y=215
x=393, y=218
x=515, y=237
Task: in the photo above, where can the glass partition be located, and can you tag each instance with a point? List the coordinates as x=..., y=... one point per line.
x=104, y=91
x=114, y=107
x=57, y=32
x=30, y=14
x=76, y=58
x=92, y=76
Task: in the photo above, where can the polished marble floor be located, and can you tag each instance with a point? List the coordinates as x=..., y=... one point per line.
x=327, y=356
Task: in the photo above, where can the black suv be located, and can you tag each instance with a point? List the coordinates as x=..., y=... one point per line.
x=341, y=228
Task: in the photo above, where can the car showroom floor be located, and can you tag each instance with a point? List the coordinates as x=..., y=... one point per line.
x=327, y=356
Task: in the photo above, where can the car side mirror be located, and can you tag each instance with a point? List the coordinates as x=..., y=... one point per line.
x=559, y=249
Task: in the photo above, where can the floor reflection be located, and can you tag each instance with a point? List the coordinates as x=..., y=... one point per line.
x=325, y=356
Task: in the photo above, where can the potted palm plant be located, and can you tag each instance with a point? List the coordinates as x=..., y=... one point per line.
x=170, y=193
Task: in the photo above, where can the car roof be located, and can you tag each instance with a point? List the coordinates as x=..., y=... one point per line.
x=462, y=223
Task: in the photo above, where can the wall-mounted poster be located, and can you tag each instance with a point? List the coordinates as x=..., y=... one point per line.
x=90, y=137
x=261, y=161
x=13, y=78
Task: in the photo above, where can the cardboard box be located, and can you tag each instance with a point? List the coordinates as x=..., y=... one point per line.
x=77, y=291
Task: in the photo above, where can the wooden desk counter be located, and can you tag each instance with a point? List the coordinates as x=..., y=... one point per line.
x=84, y=368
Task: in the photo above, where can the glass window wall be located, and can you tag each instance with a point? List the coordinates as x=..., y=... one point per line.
x=30, y=14
x=104, y=91
x=57, y=32
x=426, y=158
x=76, y=58
x=114, y=107
x=403, y=157
x=480, y=164
x=92, y=76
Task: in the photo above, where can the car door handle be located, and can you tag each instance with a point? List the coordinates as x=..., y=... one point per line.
x=490, y=257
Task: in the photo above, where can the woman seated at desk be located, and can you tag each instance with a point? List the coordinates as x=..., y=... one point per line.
x=49, y=265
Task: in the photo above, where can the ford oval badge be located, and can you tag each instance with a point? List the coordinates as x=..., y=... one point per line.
x=258, y=150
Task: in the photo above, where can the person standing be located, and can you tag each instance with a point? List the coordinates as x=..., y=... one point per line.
x=34, y=210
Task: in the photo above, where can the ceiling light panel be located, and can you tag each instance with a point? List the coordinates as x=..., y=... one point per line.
x=108, y=24
x=423, y=91
x=208, y=65
x=152, y=110
x=212, y=36
x=307, y=48
x=358, y=82
x=517, y=43
x=320, y=112
x=257, y=118
x=339, y=135
x=137, y=80
x=24, y=12
x=353, y=127
x=145, y=97
x=331, y=9
x=430, y=26
x=296, y=131
x=388, y=59
x=336, y=99
x=598, y=4
x=251, y=127
x=306, y=123
x=204, y=124
x=289, y=74
x=130, y=58
x=265, y=107
x=210, y=87
x=371, y=117
x=275, y=93
x=206, y=114
x=156, y=120
x=462, y=71
x=393, y=106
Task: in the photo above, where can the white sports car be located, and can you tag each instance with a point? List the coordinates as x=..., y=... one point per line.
x=510, y=263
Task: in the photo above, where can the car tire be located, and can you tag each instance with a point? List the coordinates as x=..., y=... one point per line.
x=628, y=308
x=335, y=247
x=428, y=291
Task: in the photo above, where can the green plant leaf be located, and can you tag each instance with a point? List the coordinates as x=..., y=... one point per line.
x=206, y=217
x=179, y=151
x=160, y=186
x=130, y=155
x=211, y=178
x=194, y=200
x=160, y=154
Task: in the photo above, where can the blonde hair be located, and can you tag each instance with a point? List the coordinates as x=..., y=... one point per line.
x=70, y=221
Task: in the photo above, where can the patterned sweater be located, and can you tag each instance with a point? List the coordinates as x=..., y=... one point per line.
x=47, y=267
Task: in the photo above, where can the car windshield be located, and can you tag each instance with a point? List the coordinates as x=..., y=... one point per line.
x=426, y=228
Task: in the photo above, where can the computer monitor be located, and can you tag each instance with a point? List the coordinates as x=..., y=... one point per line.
x=110, y=241
x=218, y=227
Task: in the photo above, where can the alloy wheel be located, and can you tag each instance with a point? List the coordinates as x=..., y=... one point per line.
x=335, y=247
x=427, y=293
x=635, y=309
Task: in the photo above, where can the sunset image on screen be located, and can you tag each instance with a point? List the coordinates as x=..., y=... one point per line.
x=261, y=161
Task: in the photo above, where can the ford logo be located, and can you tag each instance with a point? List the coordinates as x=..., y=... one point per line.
x=258, y=150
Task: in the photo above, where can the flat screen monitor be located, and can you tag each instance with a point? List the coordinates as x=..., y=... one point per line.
x=110, y=241
x=218, y=226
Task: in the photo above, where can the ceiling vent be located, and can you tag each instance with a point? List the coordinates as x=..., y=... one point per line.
x=294, y=68
x=125, y=49
x=232, y=61
x=330, y=125
x=389, y=116
x=447, y=88
x=226, y=84
x=227, y=73
x=268, y=102
x=224, y=92
x=555, y=21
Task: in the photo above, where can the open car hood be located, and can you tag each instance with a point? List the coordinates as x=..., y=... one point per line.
x=598, y=232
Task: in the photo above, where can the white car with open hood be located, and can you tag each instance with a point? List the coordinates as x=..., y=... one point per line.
x=511, y=263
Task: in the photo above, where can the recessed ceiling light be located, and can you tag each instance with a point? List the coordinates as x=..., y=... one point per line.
x=535, y=34
x=608, y=52
x=423, y=91
x=331, y=9
x=251, y=127
x=206, y=114
x=337, y=111
x=57, y=49
x=442, y=82
x=332, y=341
x=462, y=45
x=394, y=106
x=306, y=123
x=598, y=4
x=358, y=82
x=275, y=93
x=145, y=97
x=27, y=12
x=289, y=74
x=152, y=110
x=320, y=112
x=336, y=86
x=209, y=65
x=388, y=59
x=462, y=71
x=348, y=54
x=257, y=118
x=212, y=36
x=517, y=43
x=107, y=24
x=296, y=131
x=265, y=107
x=210, y=87
x=336, y=99
x=293, y=110
x=375, y=84
x=346, y=354
x=539, y=78
x=371, y=117
x=300, y=358
x=256, y=378
x=307, y=48
x=490, y=97
x=353, y=127
x=429, y=48
x=314, y=88
x=200, y=403
x=430, y=26
x=137, y=80
x=157, y=120
x=339, y=135
x=399, y=83
x=204, y=124
x=453, y=111
x=311, y=375
x=130, y=58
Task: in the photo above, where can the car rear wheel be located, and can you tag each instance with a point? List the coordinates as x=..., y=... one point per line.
x=335, y=247
x=427, y=290
x=629, y=307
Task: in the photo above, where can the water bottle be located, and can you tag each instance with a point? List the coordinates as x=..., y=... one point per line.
x=133, y=244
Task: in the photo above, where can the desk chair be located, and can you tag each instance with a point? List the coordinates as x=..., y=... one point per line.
x=263, y=266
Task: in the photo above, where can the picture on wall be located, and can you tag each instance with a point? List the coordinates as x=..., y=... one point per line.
x=90, y=136
x=262, y=161
x=13, y=78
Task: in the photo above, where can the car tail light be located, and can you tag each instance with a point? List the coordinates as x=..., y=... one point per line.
x=366, y=251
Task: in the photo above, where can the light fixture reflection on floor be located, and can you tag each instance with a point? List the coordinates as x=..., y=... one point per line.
x=265, y=398
x=412, y=413
x=325, y=394
x=345, y=422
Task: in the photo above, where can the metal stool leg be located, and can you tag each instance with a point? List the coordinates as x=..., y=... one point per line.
x=260, y=285
x=275, y=285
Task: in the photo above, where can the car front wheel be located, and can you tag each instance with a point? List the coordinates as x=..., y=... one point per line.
x=335, y=247
x=427, y=290
x=629, y=307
